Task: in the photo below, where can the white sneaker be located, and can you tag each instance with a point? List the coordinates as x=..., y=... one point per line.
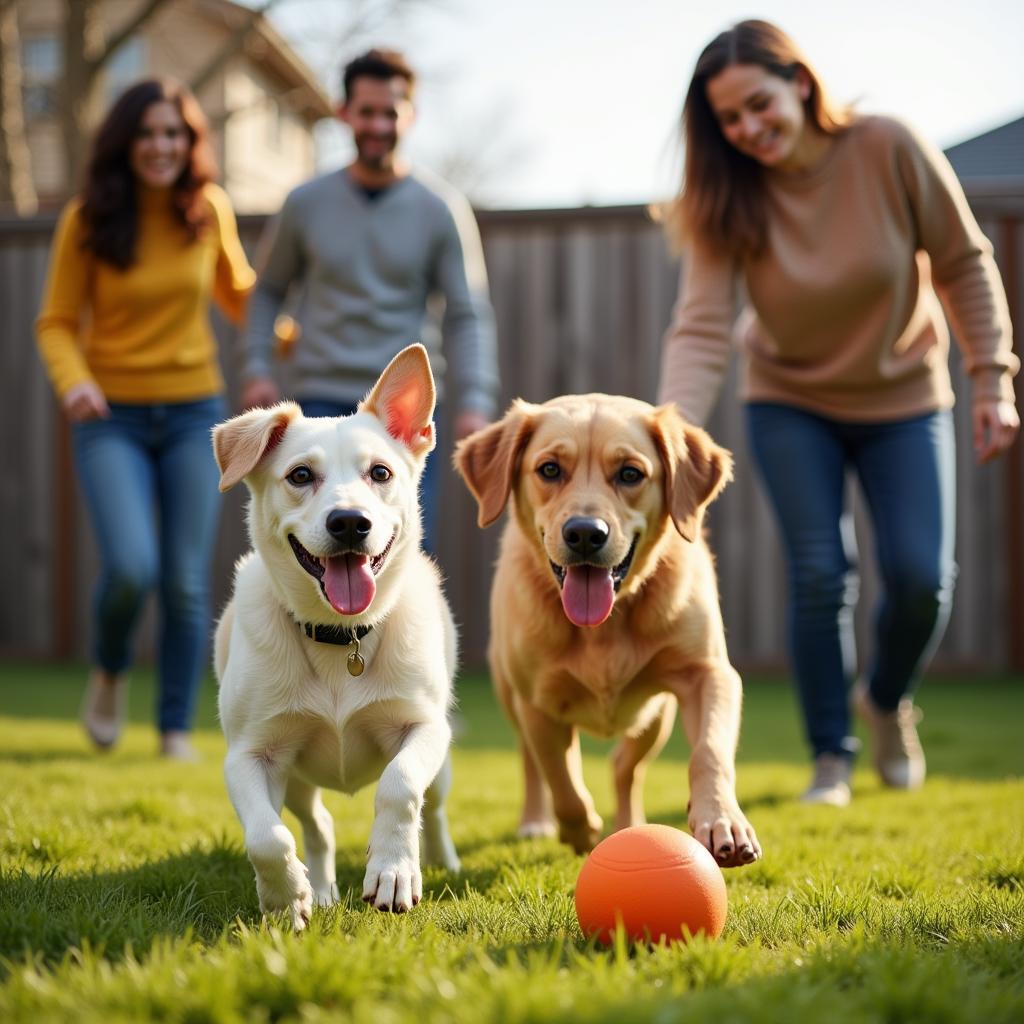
x=831, y=781
x=177, y=746
x=898, y=754
x=103, y=707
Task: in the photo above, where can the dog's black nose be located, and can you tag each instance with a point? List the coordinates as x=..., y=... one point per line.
x=348, y=526
x=585, y=535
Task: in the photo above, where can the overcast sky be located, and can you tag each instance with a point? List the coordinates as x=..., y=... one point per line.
x=577, y=101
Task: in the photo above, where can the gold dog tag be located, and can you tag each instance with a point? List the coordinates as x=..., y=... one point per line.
x=355, y=663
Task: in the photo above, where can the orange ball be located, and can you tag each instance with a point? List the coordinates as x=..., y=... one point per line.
x=657, y=880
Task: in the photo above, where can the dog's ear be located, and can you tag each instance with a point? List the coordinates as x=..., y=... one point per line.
x=696, y=469
x=240, y=443
x=487, y=460
x=403, y=399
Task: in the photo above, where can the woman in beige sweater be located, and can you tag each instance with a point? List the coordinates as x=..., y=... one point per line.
x=844, y=231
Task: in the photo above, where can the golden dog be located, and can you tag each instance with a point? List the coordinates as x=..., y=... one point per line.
x=604, y=608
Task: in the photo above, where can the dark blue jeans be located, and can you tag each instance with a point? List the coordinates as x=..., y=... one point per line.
x=430, y=481
x=906, y=471
x=150, y=485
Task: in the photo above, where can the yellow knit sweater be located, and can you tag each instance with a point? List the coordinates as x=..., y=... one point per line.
x=143, y=334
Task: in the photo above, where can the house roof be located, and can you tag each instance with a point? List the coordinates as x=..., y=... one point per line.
x=264, y=43
x=992, y=161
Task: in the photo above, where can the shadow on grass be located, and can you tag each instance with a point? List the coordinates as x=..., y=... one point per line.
x=201, y=893
x=197, y=892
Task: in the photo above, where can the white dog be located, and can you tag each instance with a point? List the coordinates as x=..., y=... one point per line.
x=336, y=653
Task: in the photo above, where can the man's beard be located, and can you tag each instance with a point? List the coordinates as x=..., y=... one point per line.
x=377, y=159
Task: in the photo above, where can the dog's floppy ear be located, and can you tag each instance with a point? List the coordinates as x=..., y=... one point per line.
x=487, y=460
x=696, y=469
x=240, y=443
x=403, y=399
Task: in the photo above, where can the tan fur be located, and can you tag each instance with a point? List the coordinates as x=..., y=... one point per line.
x=663, y=643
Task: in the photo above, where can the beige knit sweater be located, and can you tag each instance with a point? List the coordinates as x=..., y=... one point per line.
x=843, y=318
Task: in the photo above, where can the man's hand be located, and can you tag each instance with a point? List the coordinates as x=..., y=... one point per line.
x=260, y=393
x=85, y=401
x=996, y=425
x=469, y=422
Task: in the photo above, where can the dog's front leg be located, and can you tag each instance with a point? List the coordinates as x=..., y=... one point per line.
x=556, y=746
x=438, y=848
x=711, y=702
x=393, y=880
x=256, y=786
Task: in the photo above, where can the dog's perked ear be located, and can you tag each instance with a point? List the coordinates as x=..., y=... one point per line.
x=241, y=442
x=403, y=399
x=487, y=460
x=696, y=469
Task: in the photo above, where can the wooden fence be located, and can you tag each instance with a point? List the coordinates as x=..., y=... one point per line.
x=581, y=298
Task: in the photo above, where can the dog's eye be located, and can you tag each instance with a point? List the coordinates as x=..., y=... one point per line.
x=380, y=473
x=301, y=476
x=630, y=475
x=550, y=470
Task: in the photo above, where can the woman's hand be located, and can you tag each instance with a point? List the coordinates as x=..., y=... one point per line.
x=260, y=393
x=469, y=422
x=996, y=425
x=85, y=401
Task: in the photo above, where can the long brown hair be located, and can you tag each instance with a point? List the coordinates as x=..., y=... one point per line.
x=721, y=202
x=110, y=202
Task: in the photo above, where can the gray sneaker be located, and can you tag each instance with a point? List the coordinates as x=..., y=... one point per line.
x=831, y=782
x=103, y=708
x=897, y=750
x=177, y=746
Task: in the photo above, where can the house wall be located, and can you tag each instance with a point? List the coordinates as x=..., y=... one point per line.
x=267, y=148
x=263, y=149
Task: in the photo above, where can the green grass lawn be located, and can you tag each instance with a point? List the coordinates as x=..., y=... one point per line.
x=125, y=894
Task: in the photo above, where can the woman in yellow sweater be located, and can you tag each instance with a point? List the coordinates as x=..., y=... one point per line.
x=125, y=337
x=845, y=231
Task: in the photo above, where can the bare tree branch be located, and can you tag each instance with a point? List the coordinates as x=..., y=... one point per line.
x=124, y=33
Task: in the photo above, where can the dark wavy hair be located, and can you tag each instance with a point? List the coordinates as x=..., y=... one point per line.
x=109, y=198
x=721, y=200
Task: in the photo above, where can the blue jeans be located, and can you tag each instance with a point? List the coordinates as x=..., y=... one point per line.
x=430, y=482
x=150, y=485
x=907, y=474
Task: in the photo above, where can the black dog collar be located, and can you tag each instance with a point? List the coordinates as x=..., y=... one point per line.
x=339, y=635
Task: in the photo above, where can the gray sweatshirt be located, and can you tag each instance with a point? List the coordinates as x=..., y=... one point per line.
x=368, y=268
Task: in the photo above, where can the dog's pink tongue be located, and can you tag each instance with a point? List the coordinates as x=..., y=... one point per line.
x=587, y=594
x=349, y=583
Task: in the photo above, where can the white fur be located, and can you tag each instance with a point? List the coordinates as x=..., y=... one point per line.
x=294, y=718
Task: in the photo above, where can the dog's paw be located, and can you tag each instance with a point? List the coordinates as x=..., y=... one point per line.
x=287, y=889
x=537, y=829
x=726, y=832
x=582, y=835
x=393, y=884
x=439, y=851
x=324, y=896
x=437, y=848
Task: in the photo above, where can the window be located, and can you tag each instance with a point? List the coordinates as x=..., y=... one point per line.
x=41, y=68
x=125, y=68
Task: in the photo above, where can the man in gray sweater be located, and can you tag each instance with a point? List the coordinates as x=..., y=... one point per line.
x=369, y=245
